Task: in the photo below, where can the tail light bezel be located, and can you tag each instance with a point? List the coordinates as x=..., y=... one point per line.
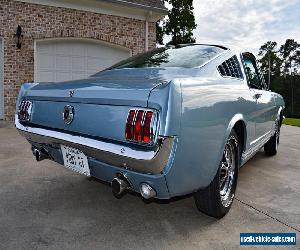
x=154, y=126
x=25, y=111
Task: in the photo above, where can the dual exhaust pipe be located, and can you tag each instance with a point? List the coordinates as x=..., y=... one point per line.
x=120, y=185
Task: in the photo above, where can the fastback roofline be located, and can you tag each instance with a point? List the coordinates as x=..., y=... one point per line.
x=204, y=44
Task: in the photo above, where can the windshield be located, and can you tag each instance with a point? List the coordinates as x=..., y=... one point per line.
x=185, y=56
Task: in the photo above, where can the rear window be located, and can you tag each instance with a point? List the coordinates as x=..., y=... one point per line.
x=186, y=57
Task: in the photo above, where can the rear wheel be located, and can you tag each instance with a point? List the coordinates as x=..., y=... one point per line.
x=271, y=146
x=216, y=199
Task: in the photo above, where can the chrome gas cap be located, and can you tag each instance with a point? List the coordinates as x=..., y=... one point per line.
x=68, y=114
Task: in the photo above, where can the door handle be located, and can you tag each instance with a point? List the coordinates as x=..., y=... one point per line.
x=257, y=95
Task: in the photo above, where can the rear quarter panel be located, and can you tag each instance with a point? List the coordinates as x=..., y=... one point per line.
x=279, y=104
x=210, y=108
x=278, y=99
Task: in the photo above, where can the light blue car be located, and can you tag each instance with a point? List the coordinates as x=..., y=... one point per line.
x=170, y=122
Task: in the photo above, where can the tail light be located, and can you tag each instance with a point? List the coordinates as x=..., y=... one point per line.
x=141, y=126
x=25, y=109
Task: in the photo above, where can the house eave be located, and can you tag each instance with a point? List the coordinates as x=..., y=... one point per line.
x=109, y=7
x=163, y=11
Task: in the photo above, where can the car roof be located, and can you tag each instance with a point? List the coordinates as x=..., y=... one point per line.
x=235, y=49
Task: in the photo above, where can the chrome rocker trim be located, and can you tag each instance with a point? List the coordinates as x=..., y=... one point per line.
x=258, y=144
x=151, y=161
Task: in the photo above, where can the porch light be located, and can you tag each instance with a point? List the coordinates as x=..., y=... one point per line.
x=18, y=37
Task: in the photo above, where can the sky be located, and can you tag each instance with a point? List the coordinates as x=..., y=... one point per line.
x=247, y=23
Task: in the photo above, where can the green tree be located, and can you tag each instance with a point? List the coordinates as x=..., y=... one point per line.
x=159, y=33
x=269, y=59
x=284, y=73
x=290, y=52
x=181, y=22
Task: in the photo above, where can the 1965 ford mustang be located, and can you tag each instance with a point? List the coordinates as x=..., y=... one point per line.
x=170, y=122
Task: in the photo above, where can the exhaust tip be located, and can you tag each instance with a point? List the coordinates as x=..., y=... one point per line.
x=119, y=186
x=147, y=191
x=40, y=155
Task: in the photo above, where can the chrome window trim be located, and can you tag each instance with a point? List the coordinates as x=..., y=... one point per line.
x=212, y=59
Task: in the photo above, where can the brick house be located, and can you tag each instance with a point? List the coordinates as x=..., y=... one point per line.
x=64, y=39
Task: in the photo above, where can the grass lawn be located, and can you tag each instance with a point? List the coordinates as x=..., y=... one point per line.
x=292, y=122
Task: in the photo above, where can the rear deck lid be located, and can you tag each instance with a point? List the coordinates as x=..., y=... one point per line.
x=114, y=87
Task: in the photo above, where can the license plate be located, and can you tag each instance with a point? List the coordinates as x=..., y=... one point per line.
x=75, y=160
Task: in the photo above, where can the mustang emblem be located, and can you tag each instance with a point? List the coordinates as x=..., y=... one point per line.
x=71, y=93
x=68, y=114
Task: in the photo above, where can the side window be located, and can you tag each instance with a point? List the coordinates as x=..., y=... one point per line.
x=252, y=74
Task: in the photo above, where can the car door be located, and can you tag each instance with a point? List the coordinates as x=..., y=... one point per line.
x=261, y=96
x=266, y=99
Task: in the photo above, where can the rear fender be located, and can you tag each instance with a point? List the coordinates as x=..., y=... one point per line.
x=167, y=99
x=185, y=176
x=232, y=123
x=280, y=115
x=22, y=93
x=236, y=118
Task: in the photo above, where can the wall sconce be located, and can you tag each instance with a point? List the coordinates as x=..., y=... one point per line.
x=18, y=37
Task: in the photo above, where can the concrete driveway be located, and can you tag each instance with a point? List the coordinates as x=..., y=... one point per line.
x=44, y=206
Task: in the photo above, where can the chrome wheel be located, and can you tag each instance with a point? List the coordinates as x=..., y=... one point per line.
x=228, y=172
x=216, y=199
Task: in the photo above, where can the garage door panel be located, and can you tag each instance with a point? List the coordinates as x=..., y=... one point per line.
x=79, y=50
x=77, y=75
x=63, y=62
x=65, y=59
x=95, y=64
x=46, y=75
x=79, y=63
x=45, y=61
x=63, y=76
x=62, y=48
x=92, y=52
x=44, y=48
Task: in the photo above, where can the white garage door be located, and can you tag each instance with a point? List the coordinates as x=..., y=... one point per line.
x=1, y=81
x=62, y=60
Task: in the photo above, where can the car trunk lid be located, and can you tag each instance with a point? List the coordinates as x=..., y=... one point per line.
x=114, y=87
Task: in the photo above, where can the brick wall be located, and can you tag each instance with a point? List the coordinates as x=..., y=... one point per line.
x=38, y=22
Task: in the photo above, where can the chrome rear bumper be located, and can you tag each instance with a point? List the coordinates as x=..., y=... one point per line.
x=145, y=161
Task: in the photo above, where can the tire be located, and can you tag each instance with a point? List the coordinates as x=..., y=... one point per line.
x=216, y=199
x=271, y=146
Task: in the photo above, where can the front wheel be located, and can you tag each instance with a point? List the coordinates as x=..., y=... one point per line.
x=216, y=199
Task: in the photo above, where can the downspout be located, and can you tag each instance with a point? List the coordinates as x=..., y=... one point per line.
x=146, y=35
x=148, y=17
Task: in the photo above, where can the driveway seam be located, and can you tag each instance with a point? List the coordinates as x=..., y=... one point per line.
x=266, y=214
